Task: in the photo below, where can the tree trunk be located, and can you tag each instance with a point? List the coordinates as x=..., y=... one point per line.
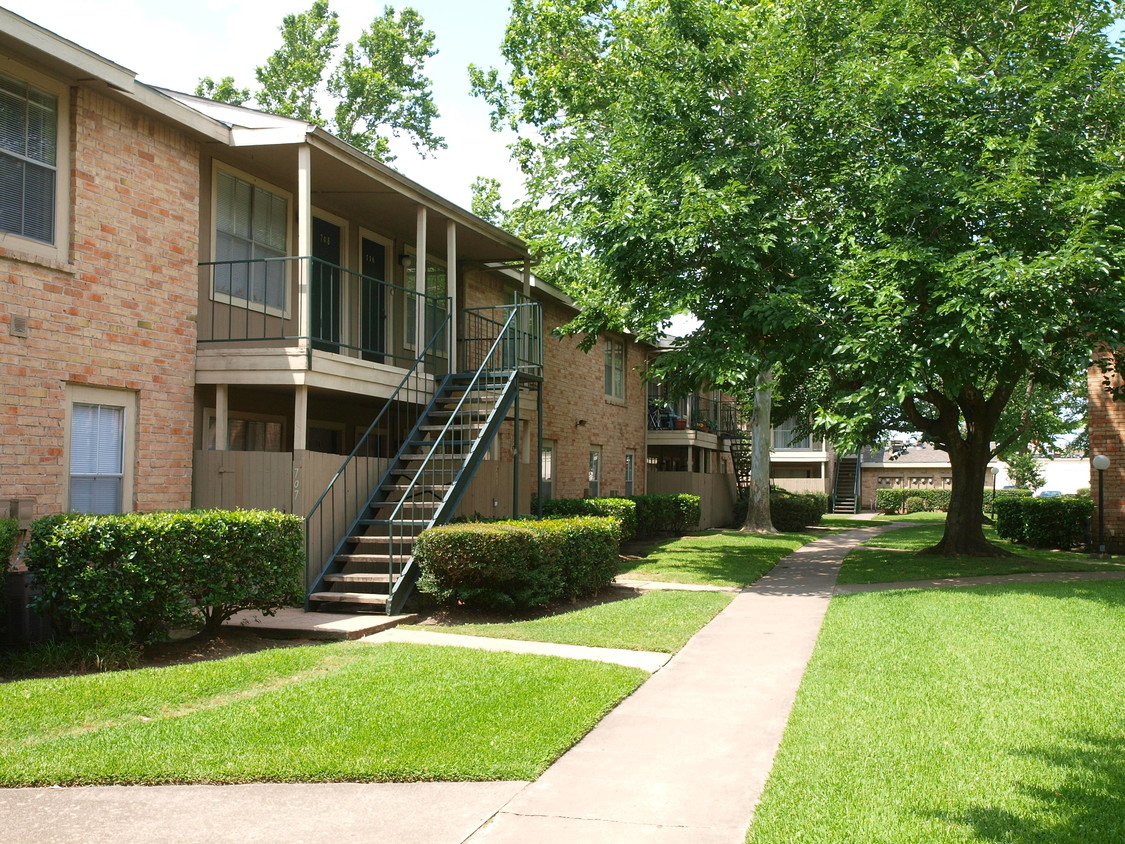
x=758, y=518
x=964, y=523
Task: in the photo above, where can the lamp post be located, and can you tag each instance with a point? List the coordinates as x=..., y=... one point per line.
x=1101, y=463
x=995, y=470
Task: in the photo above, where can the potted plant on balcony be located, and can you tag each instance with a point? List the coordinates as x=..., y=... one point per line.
x=679, y=424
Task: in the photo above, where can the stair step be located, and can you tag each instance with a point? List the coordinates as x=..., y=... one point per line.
x=420, y=443
x=362, y=577
x=351, y=597
x=416, y=488
x=380, y=540
x=399, y=522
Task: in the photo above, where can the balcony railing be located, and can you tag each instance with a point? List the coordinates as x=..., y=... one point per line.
x=254, y=301
x=696, y=413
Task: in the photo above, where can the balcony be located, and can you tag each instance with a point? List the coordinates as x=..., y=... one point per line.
x=299, y=320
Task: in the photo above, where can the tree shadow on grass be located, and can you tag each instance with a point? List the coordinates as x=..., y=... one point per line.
x=1086, y=807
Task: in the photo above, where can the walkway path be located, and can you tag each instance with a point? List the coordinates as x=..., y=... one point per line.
x=684, y=759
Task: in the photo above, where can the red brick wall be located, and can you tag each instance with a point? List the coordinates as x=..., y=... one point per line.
x=1107, y=436
x=574, y=389
x=119, y=315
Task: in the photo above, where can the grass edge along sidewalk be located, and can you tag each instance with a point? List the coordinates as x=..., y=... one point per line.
x=975, y=714
x=340, y=712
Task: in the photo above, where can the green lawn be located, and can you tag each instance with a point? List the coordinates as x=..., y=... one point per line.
x=652, y=621
x=988, y=714
x=342, y=712
x=716, y=557
x=871, y=565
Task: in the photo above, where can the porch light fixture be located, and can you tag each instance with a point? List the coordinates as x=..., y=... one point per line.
x=406, y=260
x=1101, y=463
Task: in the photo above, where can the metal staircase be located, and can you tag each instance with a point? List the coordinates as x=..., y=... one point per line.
x=740, y=455
x=371, y=565
x=845, y=490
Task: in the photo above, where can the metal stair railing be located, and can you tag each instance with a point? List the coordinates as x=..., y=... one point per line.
x=482, y=406
x=857, y=486
x=333, y=517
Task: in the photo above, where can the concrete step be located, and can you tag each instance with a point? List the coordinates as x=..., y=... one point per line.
x=358, y=577
x=368, y=598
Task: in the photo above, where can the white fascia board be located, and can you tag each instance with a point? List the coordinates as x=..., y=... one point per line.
x=893, y=465
x=240, y=136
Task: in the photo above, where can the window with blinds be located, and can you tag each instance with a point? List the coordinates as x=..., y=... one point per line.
x=97, y=458
x=251, y=227
x=28, y=141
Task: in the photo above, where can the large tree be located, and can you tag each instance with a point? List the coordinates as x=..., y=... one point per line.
x=376, y=85
x=914, y=205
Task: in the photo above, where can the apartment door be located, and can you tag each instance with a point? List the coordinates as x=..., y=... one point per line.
x=373, y=300
x=325, y=286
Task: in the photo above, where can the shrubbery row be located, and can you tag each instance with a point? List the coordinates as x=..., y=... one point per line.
x=518, y=564
x=1045, y=522
x=640, y=515
x=9, y=533
x=789, y=511
x=896, y=500
x=133, y=577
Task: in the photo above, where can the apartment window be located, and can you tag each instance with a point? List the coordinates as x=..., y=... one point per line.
x=100, y=431
x=785, y=436
x=630, y=470
x=547, y=470
x=614, y=368
x=28, y=167
x=594, y=476
x=437, y=289
x=251, y=226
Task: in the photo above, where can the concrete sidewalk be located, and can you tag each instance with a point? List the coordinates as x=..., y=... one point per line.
x=684, y=759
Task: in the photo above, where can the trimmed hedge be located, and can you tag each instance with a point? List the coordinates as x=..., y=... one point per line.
x=518, y=564
x=133, y=577
x=9, y=533
x=622, y=509
x=789, y=511
x=675, y=513
x=1044, y=522
x=894, y=500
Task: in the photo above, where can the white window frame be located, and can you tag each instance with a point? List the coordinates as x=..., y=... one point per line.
x=594, y=472
x=58, y=250
x=126, y=401
x=614, y=369
x=285, y=312
x=547, y=467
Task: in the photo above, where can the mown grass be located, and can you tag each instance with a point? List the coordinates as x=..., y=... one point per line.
x=715, y=558
x=871, y=564
x=653, y=621
x=341, y=712
x=968, y=715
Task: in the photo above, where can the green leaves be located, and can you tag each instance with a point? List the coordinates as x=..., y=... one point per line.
x=377, y=85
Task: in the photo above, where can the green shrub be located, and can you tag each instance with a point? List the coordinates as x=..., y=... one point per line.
x=789, y=511
x=622, y=509
x=1044, y=522
x=916, y=504
x=1002, y=494
x=676, y=514
x=518, y=564
x=133, y=577
x=9, y=533
x=890, y=500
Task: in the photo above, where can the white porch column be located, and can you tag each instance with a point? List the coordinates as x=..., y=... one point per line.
x=222, y=416
x=451, y=283
x=527, y=277
x=301, y=418
x=304, y=244
x=420, y=282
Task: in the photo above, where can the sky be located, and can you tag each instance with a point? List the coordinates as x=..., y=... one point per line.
x=172, y=44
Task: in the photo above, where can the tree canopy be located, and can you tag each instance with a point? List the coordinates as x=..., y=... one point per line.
x=376, y=86
x=913, y=208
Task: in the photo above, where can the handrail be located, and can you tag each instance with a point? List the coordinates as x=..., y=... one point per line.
x=437, y=465
x=858, y=485
x=386, y=423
